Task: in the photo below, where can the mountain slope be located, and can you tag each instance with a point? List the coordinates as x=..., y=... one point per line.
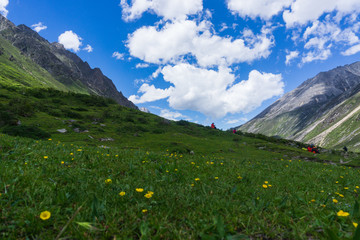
x=323, y=103
x=64, y=66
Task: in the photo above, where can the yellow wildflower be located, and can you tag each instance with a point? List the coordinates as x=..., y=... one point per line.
x=45, y=157
x=341, y=213
x=355, y=224
x=341, y=195
x=108, y=181
x=335, y=201
x=346, y=188
x=49, y=139
x=62, y=162
x=264, y=186
x=144, y=210
x=266, y=182
x=197, y=179
x=122, y=193
x=216, y=178
x=312, y=200
x=45, y=215
x=357, y=187
x=139, y=189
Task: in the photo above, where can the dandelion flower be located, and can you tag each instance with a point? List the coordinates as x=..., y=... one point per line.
x=335, y=201
x=148, y=195
x=313, y=200
x=355, y=224
x=216, y=178
x=264, y=186
x=239, y=177
x=341, y=213
x=341, y=195
x=139, y=189
x=144, y=210
x=45, y=215
x=266, y=182
x=197, y=179
x=45, y=157
x=108, y=181
x=357, y=187
x=49, y=139
x=323, y=205
x=62, y=162
x=346, y=188
x=122, y=193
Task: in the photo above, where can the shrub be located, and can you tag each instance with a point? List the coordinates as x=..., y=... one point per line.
x=26, y=131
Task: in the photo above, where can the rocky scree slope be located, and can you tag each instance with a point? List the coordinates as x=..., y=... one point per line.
x=320, y=103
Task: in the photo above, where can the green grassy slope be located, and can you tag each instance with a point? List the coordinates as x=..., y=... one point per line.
x=241, y=186
x=18, y=70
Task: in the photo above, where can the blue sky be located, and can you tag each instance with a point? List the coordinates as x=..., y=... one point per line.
x=200, y=60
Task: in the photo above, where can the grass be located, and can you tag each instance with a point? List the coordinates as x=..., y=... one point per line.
x=206, y=184
x=213, y=196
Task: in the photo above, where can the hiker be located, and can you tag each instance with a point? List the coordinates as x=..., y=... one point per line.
x=345, y=149
x=213, y=126
x=234, y=131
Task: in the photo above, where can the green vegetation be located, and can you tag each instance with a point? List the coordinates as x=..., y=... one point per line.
x=20, y=71
x=198, y=183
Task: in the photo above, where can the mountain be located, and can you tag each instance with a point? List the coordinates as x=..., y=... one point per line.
x=50, y=64
x=323, y=110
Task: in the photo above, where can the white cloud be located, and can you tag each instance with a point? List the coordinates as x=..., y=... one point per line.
x=3, y=5
x=211, y=92
x=290, y=56
x=351, y=51
x=165, y=113
x=70, y=40
x=38, y=26
x=169, y=10
x=175, y=40
x=88, y=48
x=150, y=94
x=118, y=56
x=265, y=9
x=304, y=11
x=322, y=36
x=142, y=65
x=316, y=55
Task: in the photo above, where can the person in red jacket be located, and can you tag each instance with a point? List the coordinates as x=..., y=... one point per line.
x=213, y=126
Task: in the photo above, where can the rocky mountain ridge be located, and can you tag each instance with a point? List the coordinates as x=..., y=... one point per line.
x=317, y=105
x=65, y=66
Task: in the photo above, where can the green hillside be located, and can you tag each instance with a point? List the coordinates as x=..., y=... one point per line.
x=18, y=70
x=118, y=173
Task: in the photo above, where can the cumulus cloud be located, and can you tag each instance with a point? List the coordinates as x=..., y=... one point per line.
x=150, y=94
x=169, y=10
x=3, y=5
x=88, y=48
x=324, y=35
x=316, y=55
x=38, y=26
x=118, y=56
x=351, y=51
x=265, y=9
x=175, y=40
x=290, y=56
x=304, y=11
x=70, y=40
x=165, y=113
x=211, y=92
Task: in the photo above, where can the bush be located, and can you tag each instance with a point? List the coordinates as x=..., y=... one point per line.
x=26, y=131
x=183, y=123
